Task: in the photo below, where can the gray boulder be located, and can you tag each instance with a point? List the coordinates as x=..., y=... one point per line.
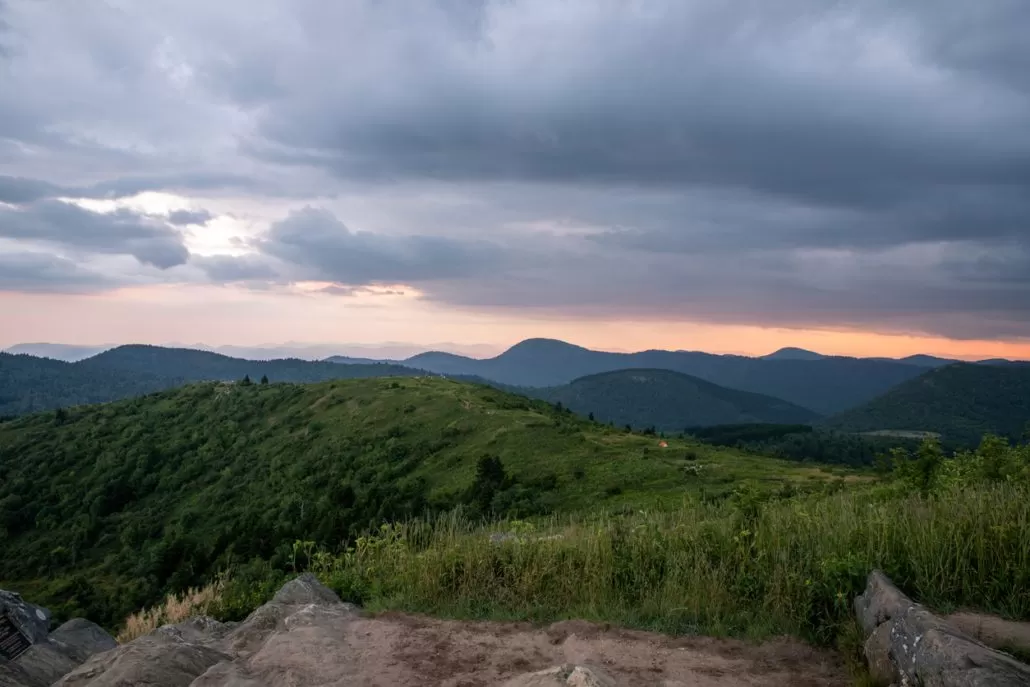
x=162, y=657
x=49, y=656
x=305, y=589
x=293, y=639
x=32, y=620
x=79, y=639
x=909, y=645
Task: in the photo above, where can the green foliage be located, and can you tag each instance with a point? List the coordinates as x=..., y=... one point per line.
x=124, y=502
x=929, y=469
x=803, y=443
x=662, y=400
x=29, y=384
x=961, y=402
x=754, y=565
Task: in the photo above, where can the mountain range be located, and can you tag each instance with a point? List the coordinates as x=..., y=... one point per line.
x=377, y=352
x=824, y=385
x=668, y=401
x=667, y=390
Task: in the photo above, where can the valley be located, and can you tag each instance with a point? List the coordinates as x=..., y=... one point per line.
x=187, y=482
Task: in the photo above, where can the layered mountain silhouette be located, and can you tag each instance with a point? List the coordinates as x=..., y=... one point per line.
x=682, y=388
x=668, y=401
x=824, y=385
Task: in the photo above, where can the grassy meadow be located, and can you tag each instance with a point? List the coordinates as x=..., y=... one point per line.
x=435, y=496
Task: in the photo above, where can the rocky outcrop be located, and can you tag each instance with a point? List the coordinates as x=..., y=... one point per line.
x=48, y=656
x=563, y=676
x=908, y=645
x=300, y=638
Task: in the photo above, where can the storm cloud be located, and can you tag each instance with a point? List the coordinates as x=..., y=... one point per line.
x=320, y=247
x=797, y=163
x=150, y=241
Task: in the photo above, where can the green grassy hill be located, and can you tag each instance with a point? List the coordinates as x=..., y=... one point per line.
x=103, y=508
x=960, y=402
x=29, y=384
x=669, y=401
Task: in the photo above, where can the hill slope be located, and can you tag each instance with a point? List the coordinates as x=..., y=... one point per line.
x=196, y=365
x=960, y=402
x=29, y=384
x=114, y=504
x=826, y=385
x=669, y=401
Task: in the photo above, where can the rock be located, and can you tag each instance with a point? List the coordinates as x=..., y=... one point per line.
x=308, y=647
x=922, y=648
x=993, y=631
x=877, y=653
x=589, y=677
x=44, y=663
x=49, y=656
x=199, y=630
x=294, y=639
x=80, y=639
x=162, y=658
x=32, y=620
x=562, y=676
x=306, y=589
x=880, y=602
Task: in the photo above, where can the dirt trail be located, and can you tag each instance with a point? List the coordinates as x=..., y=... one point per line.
x=406, y=650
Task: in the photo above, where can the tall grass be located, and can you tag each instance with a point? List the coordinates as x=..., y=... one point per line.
x=174, y=609
x=753, y=569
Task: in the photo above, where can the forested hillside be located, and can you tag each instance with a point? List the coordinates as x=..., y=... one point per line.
x=961, y=402
x=158, y=493
x=29, y=384
x=668, y=401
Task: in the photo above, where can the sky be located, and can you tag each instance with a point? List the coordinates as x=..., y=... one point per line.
x=722, y=175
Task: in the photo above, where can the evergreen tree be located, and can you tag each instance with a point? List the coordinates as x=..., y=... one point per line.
x=264, y=379
x=246, y=380
x=490, y=478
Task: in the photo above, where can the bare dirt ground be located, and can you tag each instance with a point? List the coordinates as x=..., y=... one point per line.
x=406, y=650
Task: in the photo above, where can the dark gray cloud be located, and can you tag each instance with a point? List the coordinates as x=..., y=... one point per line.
x=320, y=247
x=32, y=271
x=16, y=190
x=120, y=232
x=825, y=103
x=795, y=162
x=182, y=218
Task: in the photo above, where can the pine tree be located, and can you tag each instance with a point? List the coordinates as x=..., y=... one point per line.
x=264, y=379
